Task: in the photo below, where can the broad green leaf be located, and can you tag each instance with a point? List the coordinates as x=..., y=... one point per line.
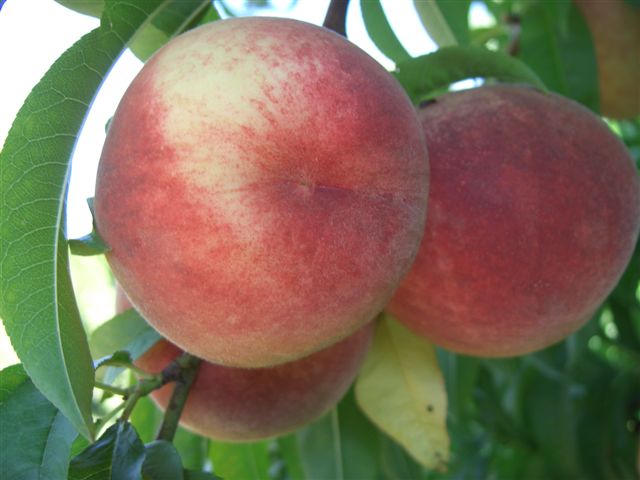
x=423, y=76
x=435, y=22
x=126, y=331
x=240, y=461
x=161, y=462
x=555, y=42
x=117, y=455
x=38, y=305
x=401, y=390
x=35, y=438
x=193, y=449
x=341, y=445
x=379, y=30
x=37, y=302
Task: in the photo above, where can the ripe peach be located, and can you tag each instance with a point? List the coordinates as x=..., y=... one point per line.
x=263, y=190
x=534, y=211
x=615, y=28
x=241, y=404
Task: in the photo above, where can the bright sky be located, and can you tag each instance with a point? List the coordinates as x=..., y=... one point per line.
x=38, y=31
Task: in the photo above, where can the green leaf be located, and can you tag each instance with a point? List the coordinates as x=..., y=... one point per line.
x=146, y=418
x=379, y=30
x=246, y=461
x=548, y=408
x=290, y=452
x=37, y=302
x=341, y=445
x=196, y=475
x=86, y=7
x=38, y=305
x=456, y=14
x=176, y=17
x=163, y=26
x=119, y=358
x=193, y=449
x=435, y=22
x=91, y=244
x=162, y=462
x=401, y=390
x=88, y=245
x=117, y=455
x=35, y=438
x=396, y=462
x=555, y=42
x=127, y=331
x=423, y=76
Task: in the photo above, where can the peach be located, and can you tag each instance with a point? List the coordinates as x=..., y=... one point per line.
x=615, y=29
x=534, y=211
x=241, y=404
x=262, y=189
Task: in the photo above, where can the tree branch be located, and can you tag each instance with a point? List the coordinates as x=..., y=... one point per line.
x=188, y=369
x=336, y=18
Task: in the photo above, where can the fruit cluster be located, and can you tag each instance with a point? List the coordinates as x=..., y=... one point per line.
x=264, y=189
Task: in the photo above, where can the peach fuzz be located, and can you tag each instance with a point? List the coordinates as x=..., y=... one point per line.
x=262, y=189
x=240, y=405
x=534, y=212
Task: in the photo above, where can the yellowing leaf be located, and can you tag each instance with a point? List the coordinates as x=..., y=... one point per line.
x=401, y=390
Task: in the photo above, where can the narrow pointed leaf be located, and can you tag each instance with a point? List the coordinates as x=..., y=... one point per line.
x=456, y=14
x=425, y=75
x=117, y=455
x=35, y=438
x=162, y=462
x=341, y=445
x=379, y=30
x=248, y=461
x=401, y=390
x=37, y=303
x=435, y=22
x=91, y=244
